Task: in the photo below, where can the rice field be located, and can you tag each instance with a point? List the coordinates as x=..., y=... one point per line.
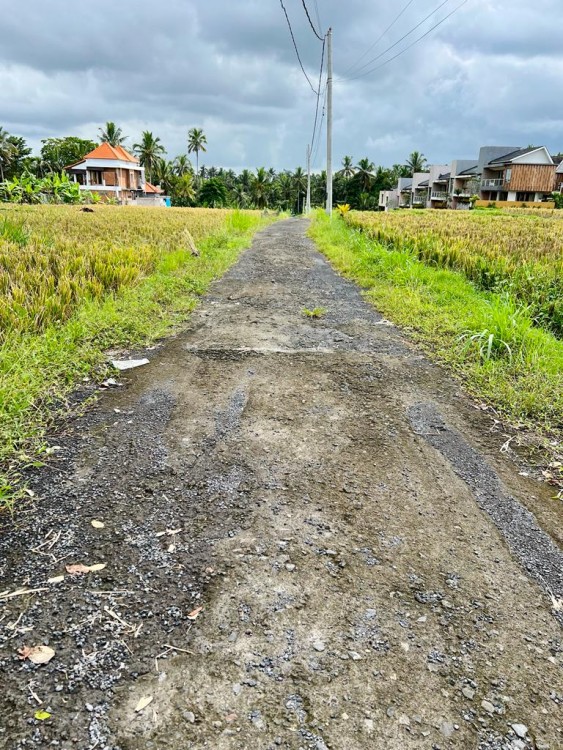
x=519, y=254
x=52, y=258
x=74, y=284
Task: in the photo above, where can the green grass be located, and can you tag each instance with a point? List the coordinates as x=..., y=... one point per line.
x=316, y=312
x=486, y=338
x=37, y=371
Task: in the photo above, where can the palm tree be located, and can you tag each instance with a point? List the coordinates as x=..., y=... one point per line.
x=112, y=134
x=182, y=165
x=300, y=182
x=348, y=170
x=365, y=170
x=7, y=151
x=149, y=150
x=183, y=193
x=260, y=187
x=163, y=175
x=285, y=187
x=416, y=163
x=196, y=142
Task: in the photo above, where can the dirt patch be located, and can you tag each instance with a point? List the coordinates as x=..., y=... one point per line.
x=358, y=589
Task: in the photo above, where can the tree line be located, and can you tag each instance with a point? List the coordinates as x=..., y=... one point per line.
x=357, y=184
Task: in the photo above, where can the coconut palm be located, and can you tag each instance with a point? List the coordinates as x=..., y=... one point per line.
x=183, y=193
x=365, y=171
x=149, y=151
x=182, y=165
x=260, y=187
x=416, y=163
x=112, y=134
x=163, y=175
x=348, y=170
x=7, y=151
x=300, y=183
x=197, y=142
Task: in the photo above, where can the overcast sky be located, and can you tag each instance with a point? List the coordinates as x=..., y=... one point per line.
x=491, y=74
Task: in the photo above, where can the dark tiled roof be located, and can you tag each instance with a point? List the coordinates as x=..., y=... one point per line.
x=445, y=176
x=513, y=155
x=424, y=184
x=470, y=171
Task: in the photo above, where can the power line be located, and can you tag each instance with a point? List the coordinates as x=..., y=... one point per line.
x=317, y=14
x=314, y=161
x=412, y=44
x=296, y=49
x=315, y=32
x=393, y=22
x=318, y=95
x=381, y=54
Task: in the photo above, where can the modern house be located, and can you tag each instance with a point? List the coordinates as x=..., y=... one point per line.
x=523, y=175
x=506, y=174
x=112, y=172
x=464, y=182
x=438, y=185
x=399, y=197
x=419, y=189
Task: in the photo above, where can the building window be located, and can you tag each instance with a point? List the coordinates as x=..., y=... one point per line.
x=508, y=175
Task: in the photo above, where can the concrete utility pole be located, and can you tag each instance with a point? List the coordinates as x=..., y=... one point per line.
x=308, y=205
x=329, y=125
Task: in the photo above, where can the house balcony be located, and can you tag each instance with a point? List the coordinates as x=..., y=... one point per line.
x=493, y=185
x=439, y=195
x=419, y=200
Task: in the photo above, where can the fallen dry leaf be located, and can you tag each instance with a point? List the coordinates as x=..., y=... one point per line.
x=56, y=579
x=195, y=613
x=79, y=568
x=98, y=524
x=143, y=703
x=36, y=654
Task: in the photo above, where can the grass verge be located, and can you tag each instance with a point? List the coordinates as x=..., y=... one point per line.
x=38, y=371
x=486, y=338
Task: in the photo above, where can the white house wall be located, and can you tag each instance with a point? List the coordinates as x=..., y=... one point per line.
x=540, y=156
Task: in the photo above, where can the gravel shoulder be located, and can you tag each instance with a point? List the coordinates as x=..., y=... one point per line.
x=311, y=540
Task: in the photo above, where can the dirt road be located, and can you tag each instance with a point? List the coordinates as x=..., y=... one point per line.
x=373, y=572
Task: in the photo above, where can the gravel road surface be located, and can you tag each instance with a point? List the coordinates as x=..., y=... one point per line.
x=311, y=540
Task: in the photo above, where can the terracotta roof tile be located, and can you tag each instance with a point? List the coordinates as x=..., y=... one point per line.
x=152, y=188
x=105, y=151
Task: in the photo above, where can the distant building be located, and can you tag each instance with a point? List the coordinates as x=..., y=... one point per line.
x=504, y=174
x=112, y=172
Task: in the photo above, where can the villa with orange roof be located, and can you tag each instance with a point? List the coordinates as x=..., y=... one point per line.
x=111, y=171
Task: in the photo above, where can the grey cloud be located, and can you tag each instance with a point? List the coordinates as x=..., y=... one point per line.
x=490, y=74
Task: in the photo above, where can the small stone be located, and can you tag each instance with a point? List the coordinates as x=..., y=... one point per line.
x=520, y=729
x=518, y=745
x=390, y=712
x=369, y=725
x=469, y=693
x=319, y=646
x=237, y=689
x=89, y=707
x=488, y=706
x=189, y=716
x=404, y=720
x=447, y=729
x=355, y=656
x=290, y=567
x=344, y=716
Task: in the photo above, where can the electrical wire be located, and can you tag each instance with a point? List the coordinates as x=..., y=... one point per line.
x=314, y=159
x=318, y=14
x=318, y=95
x=382, y=54
x=296, y=49
x=311, y=24
x=369, y=49
x=361, y=75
